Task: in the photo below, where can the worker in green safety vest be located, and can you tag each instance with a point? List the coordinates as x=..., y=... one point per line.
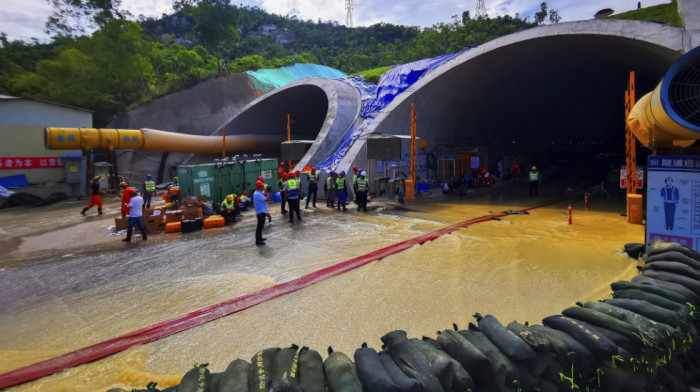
x=312, y=180
x=293, y=195
x=362, y=191
x=330, y=189
x=535, y=180
x=283, y=191
x=149, y=190
x=342, y=186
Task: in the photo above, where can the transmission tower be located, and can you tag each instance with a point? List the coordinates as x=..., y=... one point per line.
x=348, y=8
x=480, y=10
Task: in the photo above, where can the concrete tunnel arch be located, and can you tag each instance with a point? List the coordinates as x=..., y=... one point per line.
x=543, y=90
x=320, y=109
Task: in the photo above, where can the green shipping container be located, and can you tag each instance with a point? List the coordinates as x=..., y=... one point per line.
x=204, y=181
x=184, y=176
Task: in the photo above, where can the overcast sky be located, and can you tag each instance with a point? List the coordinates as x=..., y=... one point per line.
x=25, y=19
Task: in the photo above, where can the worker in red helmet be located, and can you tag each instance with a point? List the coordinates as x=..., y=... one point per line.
x=126, y=197
x=297, y=177
x=312, y=180
x=260, y=202
x=280, y=170
x=283, y=191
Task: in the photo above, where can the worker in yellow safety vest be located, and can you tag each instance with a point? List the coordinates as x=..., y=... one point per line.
x=312, y=180
x=228, y=209
x=362, y=191
x=535, y=180
x=342, y=186
x=149, y=190
x=330, y=189
x=283, y=191
x=293, y=190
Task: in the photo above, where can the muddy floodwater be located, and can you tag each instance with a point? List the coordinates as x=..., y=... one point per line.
x=68, y=287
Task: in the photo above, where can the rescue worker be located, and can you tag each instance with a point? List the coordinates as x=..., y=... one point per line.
x=283, y=191
x=362, y=191
x=312, y=180
x=355, y=176
x=149, y=189
x=126, y=197
x=245, y=200
x=260, y=201
x=293, y=190
x=297, y=175
x=280, y=170
x=135, y=208
x=228, y=209
x=94, y=196
x=534, y=180
x=342, y=186
x=515, y=170
x=330, y=189
x=267, y=194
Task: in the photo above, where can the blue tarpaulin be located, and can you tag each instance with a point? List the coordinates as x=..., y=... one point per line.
x=268, y=79
x=376, y=98
x=14, y=181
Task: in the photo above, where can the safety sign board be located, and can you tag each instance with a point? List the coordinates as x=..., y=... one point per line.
x=673, y=199
x=639, y=178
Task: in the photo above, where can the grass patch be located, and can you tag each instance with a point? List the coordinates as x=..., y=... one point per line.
x=664, y=13
x=373, y=75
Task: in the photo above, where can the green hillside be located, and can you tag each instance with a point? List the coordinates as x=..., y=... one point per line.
x=663, y=13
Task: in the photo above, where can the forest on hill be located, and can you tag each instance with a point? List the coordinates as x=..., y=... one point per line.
x=103, y=59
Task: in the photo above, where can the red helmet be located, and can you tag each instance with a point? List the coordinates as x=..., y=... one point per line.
x=246, y=192
x=354, y=168
x=284, y=175
x=281, y=164
x=261, y=178
x=313, y=170
x=298, y=173
x=259, y=184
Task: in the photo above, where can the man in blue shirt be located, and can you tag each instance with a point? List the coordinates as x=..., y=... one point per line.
x=260, y=201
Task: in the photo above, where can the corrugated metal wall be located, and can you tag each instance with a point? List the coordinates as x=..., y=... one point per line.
x=28, y=112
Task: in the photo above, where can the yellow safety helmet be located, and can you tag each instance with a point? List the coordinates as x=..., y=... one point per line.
x=534, y=168
x=229, y=197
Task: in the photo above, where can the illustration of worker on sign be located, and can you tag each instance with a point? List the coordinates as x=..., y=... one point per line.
x=670, y=196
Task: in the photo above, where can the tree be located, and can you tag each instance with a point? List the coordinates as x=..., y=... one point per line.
x=554, y=17
x=541, y=15
x=465, y=18
x=78, y=17
x=216, y=22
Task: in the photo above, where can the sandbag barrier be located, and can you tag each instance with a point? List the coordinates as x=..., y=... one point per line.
x=644, y=338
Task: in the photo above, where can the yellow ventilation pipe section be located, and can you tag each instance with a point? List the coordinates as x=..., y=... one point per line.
x=670, y=115
x=153, y=140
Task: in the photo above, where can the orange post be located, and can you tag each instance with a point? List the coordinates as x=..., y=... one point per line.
x=630, y=145
x=586, y=199
x=570, y=222
x=411, y=182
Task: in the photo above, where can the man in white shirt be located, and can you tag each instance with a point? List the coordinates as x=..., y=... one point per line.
x=135, y=213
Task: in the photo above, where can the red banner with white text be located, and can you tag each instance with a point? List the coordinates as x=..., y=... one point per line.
x=14, y=163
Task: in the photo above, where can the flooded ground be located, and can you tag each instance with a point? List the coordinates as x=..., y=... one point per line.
x=67, y=283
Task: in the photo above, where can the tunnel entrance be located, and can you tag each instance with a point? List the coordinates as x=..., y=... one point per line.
x=306, y=105
x=551, y=99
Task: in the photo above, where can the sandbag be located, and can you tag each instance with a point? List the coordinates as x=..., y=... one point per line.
x=453, y=377
x=410, y=361
x=659, y=247
x=537, y=341
x=235, y=377
x=284, y=370
x=673, y=266
x=504, y=373
x=596, y=319
x=674, y=256
x=507, y=342
x=340, y=373
x=260, y=376
x=652, y=299
x=633, y=250
x=648, y=310
x=311, y=377
x=197, y=379
x=649, y=285
x=576, y=352
x=654, y=330
x=687, y=293
x=371, y=371
x=404, y=382
x=467, y=354
x=585, y=333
